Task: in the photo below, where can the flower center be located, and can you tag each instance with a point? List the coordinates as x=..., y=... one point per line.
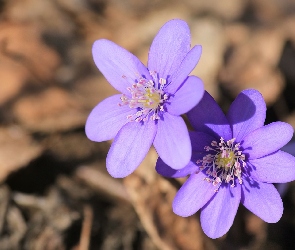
x=224, y=165
x=151, y=98
x=225, y=159
x=147, y=98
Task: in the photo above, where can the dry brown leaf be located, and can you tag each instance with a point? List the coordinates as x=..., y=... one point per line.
x=16, y=229
x=92, y=90
x=13, y=77
x=271, y=11
x=253, y=64
x=46, y=13
x=23, y=43
x=134, y=32
x=288, y=28
x=102, y=183
x=209, y=33
x=290, y=119
x=16, y=150
x=49, y=111
x=50, y=216
x=226, y=9
x=4, y=202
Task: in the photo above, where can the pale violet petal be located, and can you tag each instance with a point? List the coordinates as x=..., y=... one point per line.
x=187, y=65
x=106, y=119
x=119, y=66
x=169, y=48
x=218, y=214
x=262, y=199
x=193, y=195
x=278, y=167
x=172, y=141
x=130, y=147
x=187, y=97
x=267, y=139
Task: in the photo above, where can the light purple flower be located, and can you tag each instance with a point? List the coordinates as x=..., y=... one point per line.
x=235, y=159
x=152, y=100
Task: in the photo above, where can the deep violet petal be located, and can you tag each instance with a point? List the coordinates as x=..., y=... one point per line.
x=163, y=169
x=207, y=117
x=246, y=113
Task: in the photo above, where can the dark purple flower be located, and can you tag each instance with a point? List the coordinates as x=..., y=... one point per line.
x=283, y=187
x=290, y=147
x=152, y=100
x=235, y=159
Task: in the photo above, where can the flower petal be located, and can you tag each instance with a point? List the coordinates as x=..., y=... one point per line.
x=218, y=214
x=289, y=148
x=263, y=200
x=282, y=188
x=193, y=195
x=119, y=66
x=187, y=65
x=207, y=117
x=246, y=113
x=169, y=48
x=187, y=97
x=106, y=119
x=163, y=169
x=278, y=167
x=267, y=140
x=172, y=141
x=199, y=140
x=129, y=148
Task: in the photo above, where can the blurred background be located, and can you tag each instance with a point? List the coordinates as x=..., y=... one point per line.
x=55, y=193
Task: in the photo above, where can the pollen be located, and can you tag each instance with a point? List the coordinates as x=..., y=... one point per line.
x=225, y=159
x=224, y=163
x=151, y=98
x=147, y=97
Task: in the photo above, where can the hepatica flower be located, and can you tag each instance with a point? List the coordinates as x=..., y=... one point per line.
x=235, y=160
x=283, y=187
x=152, y=100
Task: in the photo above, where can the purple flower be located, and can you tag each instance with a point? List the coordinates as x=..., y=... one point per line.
x=152, y=100
x=290, y=148
x=235, y=159
x=283, y=187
